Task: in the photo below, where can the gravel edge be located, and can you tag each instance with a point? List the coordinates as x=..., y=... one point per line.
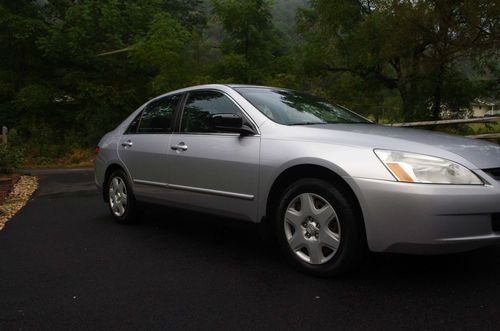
x=19, y=196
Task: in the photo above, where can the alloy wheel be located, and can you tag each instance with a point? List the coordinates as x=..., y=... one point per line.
x=118, y=196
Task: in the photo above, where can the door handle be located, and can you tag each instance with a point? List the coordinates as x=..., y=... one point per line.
x=179, y=146
x=127, y=143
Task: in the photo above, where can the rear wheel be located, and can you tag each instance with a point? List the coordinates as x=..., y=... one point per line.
x=319, y=228
x=121, y=200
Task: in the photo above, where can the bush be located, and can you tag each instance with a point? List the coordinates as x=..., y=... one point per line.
x=10, y=158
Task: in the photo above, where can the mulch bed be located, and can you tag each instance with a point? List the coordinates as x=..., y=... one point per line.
x=7, y=184
x=20, y=193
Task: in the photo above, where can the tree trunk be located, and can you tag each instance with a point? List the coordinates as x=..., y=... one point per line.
x=408, y=101
x=436, y=107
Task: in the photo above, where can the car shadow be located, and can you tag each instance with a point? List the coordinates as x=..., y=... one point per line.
x=250, y=240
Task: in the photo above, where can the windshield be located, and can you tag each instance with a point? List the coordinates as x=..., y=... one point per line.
x=294, y=108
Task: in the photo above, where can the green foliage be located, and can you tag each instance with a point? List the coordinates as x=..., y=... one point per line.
x=251, y=44
x=10, y=158
x=284, y=13
x=35, y=98
x=232, y=67
x=414, y=47
x=61, y=89
x=190, y=13
x=164, y=52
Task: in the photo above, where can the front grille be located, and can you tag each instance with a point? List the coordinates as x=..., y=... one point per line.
x=495, y=173
x=495, y=222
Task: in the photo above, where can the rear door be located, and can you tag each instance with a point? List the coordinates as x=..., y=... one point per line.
x=214, y=171
x=143, y=148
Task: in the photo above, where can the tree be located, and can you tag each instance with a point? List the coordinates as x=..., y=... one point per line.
x=164, y=52
x=190, y=13
x=376, y=56
x=92, y=93
x=414, y=47
x=20, y=62
x=251, y=41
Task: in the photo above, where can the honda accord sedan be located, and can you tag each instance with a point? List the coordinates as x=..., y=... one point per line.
x=329, y=183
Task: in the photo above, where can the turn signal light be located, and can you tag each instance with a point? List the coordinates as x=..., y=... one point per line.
x=399, y=172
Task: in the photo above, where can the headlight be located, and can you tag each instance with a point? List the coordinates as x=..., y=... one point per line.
x=419, y=168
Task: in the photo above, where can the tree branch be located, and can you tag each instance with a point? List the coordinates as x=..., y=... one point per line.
x=123, y=50
x=391, y=83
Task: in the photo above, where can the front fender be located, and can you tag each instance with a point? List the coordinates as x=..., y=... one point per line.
x=345, y=161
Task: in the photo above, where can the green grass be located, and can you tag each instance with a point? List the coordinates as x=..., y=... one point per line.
x=75, y=158
x=480, y=128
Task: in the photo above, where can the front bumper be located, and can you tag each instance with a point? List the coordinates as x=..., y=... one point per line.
x=427, y=218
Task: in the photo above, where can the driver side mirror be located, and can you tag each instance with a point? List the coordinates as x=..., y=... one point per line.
x=229, y=123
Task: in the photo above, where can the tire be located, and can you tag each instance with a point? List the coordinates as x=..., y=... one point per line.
x=120, y=198
x=319, y=228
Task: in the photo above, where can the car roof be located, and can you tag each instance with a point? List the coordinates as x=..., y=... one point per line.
x=236, y=86
x=247, y=85
x=211, y=86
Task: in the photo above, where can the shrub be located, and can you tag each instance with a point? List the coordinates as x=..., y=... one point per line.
x=10, y=158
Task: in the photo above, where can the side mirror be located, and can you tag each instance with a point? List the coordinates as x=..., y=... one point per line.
x=229, y=123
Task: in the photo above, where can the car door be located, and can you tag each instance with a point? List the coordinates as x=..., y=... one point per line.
x=143, y=147
x=214, y=171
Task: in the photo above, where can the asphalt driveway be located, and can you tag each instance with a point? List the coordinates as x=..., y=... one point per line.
x=65, y=265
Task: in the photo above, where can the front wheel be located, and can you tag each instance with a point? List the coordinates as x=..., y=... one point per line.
x=319, y=228
x=121, y=200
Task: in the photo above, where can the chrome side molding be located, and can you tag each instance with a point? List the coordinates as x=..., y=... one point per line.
x=197, y=189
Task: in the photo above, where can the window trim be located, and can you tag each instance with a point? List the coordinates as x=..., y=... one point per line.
x=245, y=116
x=174, y=114
x=138, y=116
x=179, y=112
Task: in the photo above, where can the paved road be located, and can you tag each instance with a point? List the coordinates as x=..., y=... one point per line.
x=65, y=265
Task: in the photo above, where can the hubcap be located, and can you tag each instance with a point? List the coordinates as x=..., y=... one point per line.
x=312, y=228
x=118, y=196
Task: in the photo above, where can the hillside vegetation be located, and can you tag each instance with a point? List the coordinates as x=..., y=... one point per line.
x=61, y=88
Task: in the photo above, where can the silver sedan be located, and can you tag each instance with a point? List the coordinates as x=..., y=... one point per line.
x=330, y=183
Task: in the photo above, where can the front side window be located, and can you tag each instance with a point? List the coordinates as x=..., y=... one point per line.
x=158, y=117
x=200, y=105
x=295, y=108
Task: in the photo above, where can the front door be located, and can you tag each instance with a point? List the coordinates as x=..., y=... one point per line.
x=212, y=170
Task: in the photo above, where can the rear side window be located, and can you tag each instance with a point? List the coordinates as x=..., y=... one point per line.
x=158, y=115
x=200, y=105
x=132, y=128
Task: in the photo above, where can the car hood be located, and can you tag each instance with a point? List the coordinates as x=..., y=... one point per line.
x=483, y=154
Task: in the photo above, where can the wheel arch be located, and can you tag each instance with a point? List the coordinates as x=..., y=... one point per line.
x=109, y=170
x=296, y=172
